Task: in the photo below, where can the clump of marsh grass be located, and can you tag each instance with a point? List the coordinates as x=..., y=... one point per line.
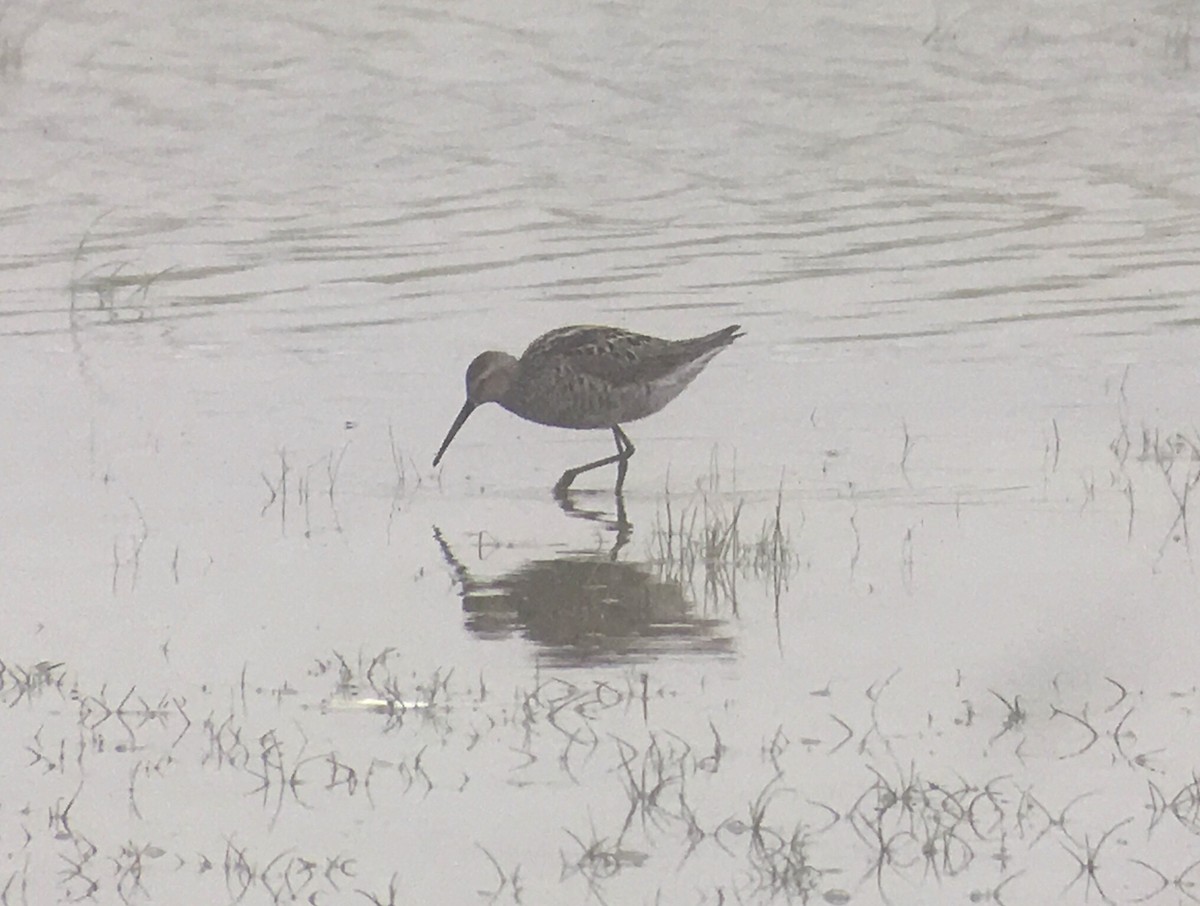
x=113, y=292
x=708, y=534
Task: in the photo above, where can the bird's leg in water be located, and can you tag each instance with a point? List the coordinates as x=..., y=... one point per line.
x=625, y=450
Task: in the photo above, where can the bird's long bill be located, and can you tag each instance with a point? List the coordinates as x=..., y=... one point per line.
x=467, y=409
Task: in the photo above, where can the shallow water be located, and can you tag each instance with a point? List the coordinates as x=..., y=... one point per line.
x=906, y=607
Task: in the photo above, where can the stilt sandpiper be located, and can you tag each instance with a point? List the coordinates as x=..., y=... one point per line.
x=588, y=377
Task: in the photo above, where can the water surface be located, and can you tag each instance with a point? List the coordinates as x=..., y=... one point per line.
x=905, y=608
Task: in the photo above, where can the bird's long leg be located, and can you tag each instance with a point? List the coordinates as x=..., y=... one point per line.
x=624, y=454
x=625, y=450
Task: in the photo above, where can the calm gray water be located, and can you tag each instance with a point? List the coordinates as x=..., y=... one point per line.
x=257, y=649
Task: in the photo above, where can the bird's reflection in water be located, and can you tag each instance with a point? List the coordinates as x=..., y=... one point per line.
x=619, y=525
x=587, y=610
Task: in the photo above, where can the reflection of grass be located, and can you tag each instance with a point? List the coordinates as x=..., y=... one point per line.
x=655, y=795
x=708, y=533
x=1175, y=455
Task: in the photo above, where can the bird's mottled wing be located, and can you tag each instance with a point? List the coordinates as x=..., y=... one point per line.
x=608, y=353
x=621, y=357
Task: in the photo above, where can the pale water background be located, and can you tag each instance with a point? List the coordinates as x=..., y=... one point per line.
x=256, y=650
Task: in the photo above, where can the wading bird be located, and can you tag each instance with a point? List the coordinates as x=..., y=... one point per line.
x=587, y=377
